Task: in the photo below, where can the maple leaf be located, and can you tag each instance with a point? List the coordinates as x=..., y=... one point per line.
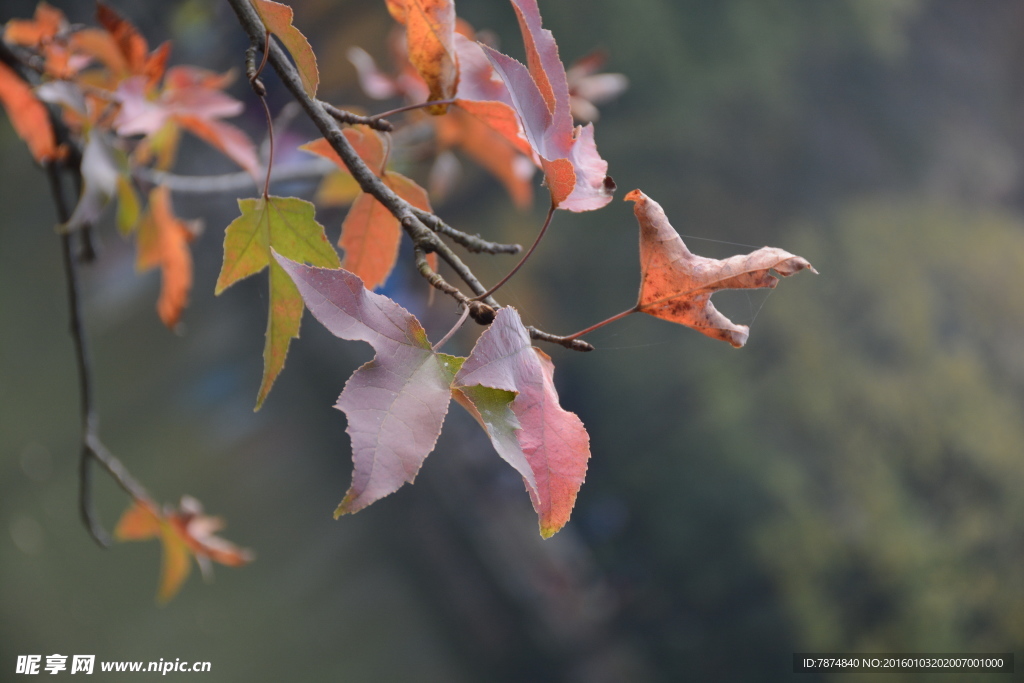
x=47, y=22
x=163, y=241
x=575, y=173
x=397, y=402
x=677, y=285
x=192, y=99
x=183, y=533
x=28, y=115
x=47, y=33
x=588, y=88
x=277, y=18
x=507, y=384
x=430, y=34
x=287, y=225
x=370, y=233
x=121, y=48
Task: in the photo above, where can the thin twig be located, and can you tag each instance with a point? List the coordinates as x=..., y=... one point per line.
x=472, y=243
x=92, y=447
x=351, y=119
x=313, y=168
x=435, y=280
x=567, y=342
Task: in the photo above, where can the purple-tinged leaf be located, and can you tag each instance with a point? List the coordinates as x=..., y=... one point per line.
x=397, y=402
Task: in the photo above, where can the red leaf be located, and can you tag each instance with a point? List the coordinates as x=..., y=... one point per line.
x=551, y=447
x=28, y=116
x=676, y=285
x=576, y=174
x=396, y=403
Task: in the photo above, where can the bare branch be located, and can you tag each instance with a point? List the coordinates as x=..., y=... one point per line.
x=233, y=182
x=92, y=447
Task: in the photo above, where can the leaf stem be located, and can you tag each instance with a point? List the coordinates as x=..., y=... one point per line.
x=612, y=319
x=266, y=109
x=451, y=332
x=410, y=107
x=544, y=229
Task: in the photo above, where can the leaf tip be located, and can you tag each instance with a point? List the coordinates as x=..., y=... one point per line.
x=549, y=530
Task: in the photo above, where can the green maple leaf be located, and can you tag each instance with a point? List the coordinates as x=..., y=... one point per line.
x=289, y=226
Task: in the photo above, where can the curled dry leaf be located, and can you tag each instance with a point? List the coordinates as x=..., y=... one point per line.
x=677, y=285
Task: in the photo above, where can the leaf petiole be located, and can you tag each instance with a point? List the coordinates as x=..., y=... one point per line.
x=544, y=229
x=612, y=319
x=410, y=107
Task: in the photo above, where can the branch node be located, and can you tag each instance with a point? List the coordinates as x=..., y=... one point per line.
x=481, y=312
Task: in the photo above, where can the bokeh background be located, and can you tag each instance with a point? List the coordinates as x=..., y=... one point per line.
x=852, y=480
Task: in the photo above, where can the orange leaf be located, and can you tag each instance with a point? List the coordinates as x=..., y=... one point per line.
x=48, y=22
x=371, y=235
x=430, y=32
x=130, y=43
x=138, y=523
x=278, y=20
x=28, y=116
x=183, y=533
x=163, y=241
x=677, y=285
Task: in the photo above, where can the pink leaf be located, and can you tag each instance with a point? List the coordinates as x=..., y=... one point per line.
x=575, y=172
x=396, y=403
x=551, y=446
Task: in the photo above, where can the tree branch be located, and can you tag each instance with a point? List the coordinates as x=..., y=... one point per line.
x=233, y=182
x=414, y=222
x=92, y=446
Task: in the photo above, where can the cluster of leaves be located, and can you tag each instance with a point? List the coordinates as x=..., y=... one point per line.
x=125, y=111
